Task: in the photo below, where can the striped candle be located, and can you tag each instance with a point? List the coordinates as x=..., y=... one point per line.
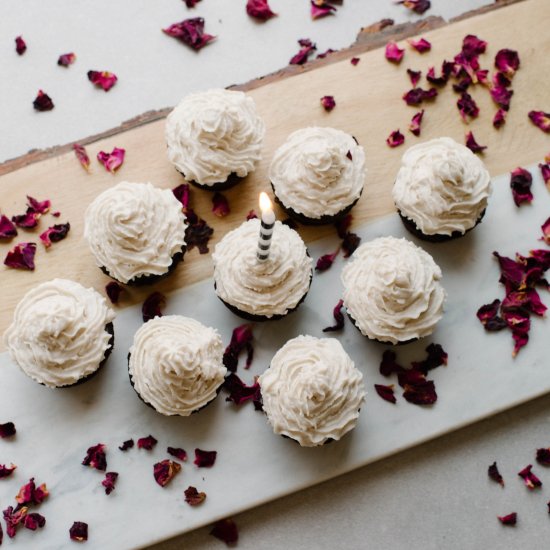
x=266, y=228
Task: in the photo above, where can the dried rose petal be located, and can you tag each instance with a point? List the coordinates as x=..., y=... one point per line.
x=54, y=234
x=494, y=474
x=34, y=521
x=128, y=444
x=182, y=193
x=421, y=45
x=530, y=479
x=95, y=457
x=394, y=53
x=389, y=365
x=472, y=46
x=544, y=170
x=338, y=317
x=467, y=106
x=417, y=95
x=473, y=145
x=146, y=443
x=29, y=220
x=520, y=182
x=540, y=119
x=501, y=80
x=102, y=79
x=251, y=215
x=488, y=315
x=7, y=229
x=507, y=62
x=113, y=160
x=109, y=482
x=326, y=53
x=198, y=232
x=437, y=356
x=31, y=494
x=56, y=214
x=190, y=32
x=415, y=76
x=21, y=256
x=43, y=102
x=13, y=518
x=220, y=206
x=499, y=119
x=191, y=3
x=342, y=226
x=502, y=96
x=82, y=156
x=204, y=459
x=20, y=45
x=226, y=530
x=395, y=139
x=259, y=9
x=416, y=121
x=79, y=531
x=241, y=339
x=350, y=243
x=418, y=6
x=6, y=471
x=178, y=452
x=193, y=497
x=385, y=392
x=446, y=70
x=522, y=300
x=418, y=391
x=307, y=47
x=510, y=519
x=113, y=290
x=42, y=207
x=519, y=323
x=546, y=231
x=165, y=470
x=321, y=8
x=326, y=261
x=463, y=85
x=328, y=103
x=7, y=430
x=543, y=456
x=66, y=59
x=354, y=60
x=239, y=392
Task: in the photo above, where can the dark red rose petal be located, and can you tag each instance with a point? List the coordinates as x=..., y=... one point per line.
x=512, y=273
x=417, y=95
x=350, y=243
x=191, y=3
x=113, y=160
x=510, y=519
x=29, y=220
x=182, y=193
x=389, y=365
x=82, y=156
x=473, y=145
x=307, y=47
x=54, y=234
x=522, y=301
x=241, y=339
x=421, y=45
x=502, y=96
x=102, y=79
x=128, y=444
x=239, y=392
x=415, y=76
x=546, y=231
x=416, y=121
x=7, y=229
x=543, y=456
x=190, y=32
x=66, y=59
x=520, y=182
x=321, y=8
x=338, y=317
x=204, y=459
x=501, y=80
x=109, y=482
x=34, y=521
x=165, y=470
x=472, y=46
x=467, y=106
x=20, y=45
x=395, y=139
x=146, y=443
x=178, y=452
x=220, y=206
x=31, y=494
x=437, y=356
x=226, y=530
x=193, y=497
x=418, y=6
x=394, y=53
x=421, y=392
x=251, y=215
x=79, y=531
x=499, y=119
x=41, y=207
x=6, y=471
x=488, y=315
x=545, y=172
x=56, y=214
x=259, y=9
x=540, y=119
x=96, y=458
x=446, y=70
x=354, y=60
x=43, y=102
x=152, y=306
x=326, y=53
x=328, y=103
x=494, y=474
x=113, y=290
x=7, y=430
x=198, y=232
x=342, y=226
x=507, y=62
x=529, y=478
x=385, y=392
x=13, y=518
x=326, y=261
x=462, y=85
x=21, y=256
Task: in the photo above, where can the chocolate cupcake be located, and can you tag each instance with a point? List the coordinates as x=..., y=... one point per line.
x=176, y=364
x=61, y=333
x=318, y=175
x=312, y=392
x=261, y=290
x=392, y=290
x=215, y=138
x=441, y=190
x=136, y=232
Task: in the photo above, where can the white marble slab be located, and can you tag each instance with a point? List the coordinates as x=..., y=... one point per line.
x=55, y=427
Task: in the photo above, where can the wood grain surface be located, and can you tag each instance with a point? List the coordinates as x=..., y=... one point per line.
x=369, y=106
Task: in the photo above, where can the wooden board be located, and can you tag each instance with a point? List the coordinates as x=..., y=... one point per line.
x=369, y=106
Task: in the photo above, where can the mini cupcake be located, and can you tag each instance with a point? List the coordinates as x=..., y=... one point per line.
x=318, y=174
x=176, y=364
x=441, y=190
x=312, y=392
x=61, y=333
x=261, y=290
x=136, y=232
x=392, y=291
x=215, y=138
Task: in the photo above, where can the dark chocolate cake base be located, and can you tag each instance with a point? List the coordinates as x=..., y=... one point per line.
x=231, y=181
x=385, y=342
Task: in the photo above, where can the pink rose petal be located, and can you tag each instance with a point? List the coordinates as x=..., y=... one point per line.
x=499, y=119
x=473, y=145
x=109, y=482
x=417, y=95
x=395, y=139
x=113, y=160
x=31, y=494
x=241, y=339
x=178, y=452
x=510, y=519
x=21, y=256
x=338, y=317
x=416, y=121
x=7, y=229
x=66, y=59
x=82, y=156
x=541, y=120
x=328, y=103
x=502, y=96
x=146, y=443
x=20, y=45
x=307, y=47
x=190, y=32
x=259, y=9
x=394, y=53
x=421, y=45
x=6, y=471
x=494, y=474
x=529, y=478
x=520, y=183
x=418, y=6
x=507, y=62
x=193, y=497
x=102, y=79
x=467, y=106
x=54, y=234
x=355, y=60
x=544, y=170
x=321, y=8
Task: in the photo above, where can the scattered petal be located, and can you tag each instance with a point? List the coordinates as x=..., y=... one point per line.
x=251, y=215
x=21, y=256
x=54, y=234
x=109, y=482
x=502, y=96
x=7, y=229
x=467, y=106
x=489, y=318
x=191, y=3
x=355, y=60
x=520, y=183
x=204, y=459
x=543, y=457
x=20, y=45
x=530, y=479
x=128, y=444
x=394, y=53
x=220, y=206
x=510, y=519
x=7, y=430
x=113, y=290
x=79, y=531
x=321, y=8
x=540, y=119
x=418, y=390
x=102, y=79
x=42, y=207
x=31, y=494
x=241, y=339
x=113, y=160
x=43, y=102
x=326, y=261
x=544, y=170
x=385, y=392
x=417, y=95
x=421, y=45
x=328, y=102
x=389, y=365
x=165, y=470
x=395, y=139
x=66, y=59
x=193, y=497
x=34, y=521
x=418, y=6
x=472, y=46
x=183, y=194
x=446, y=70
x=307, y=47
x=338, y=317
x=494, y=474
x=13, y=518
x=6, y=471
x=259, y=9
x=473, y=145
x=350, y=243
x=342, y=226
x=82, y=156
x=507, y=62
x=546, y=231
x=178, y=452
x=96, y=458
x=325, y=53
x=146, y=443
x=239, y=392
x=519, y=323
x=198, y=232
x=415, y=76
x=437, y=356
x=226, y=530
x=190, y=32
x=416, y=121
x=501, y=80
x=29, y=220
x=499, y=119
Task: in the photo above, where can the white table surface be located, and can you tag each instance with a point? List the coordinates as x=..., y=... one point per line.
x=436, y=496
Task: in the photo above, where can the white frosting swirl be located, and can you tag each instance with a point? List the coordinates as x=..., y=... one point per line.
x=392, y=290
x=58, y=332
x=213, y=134
x=318, y=171
x=176, y=364
x=442, y=187
x=135, y=229
x=268, y=288
x=312, y=391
